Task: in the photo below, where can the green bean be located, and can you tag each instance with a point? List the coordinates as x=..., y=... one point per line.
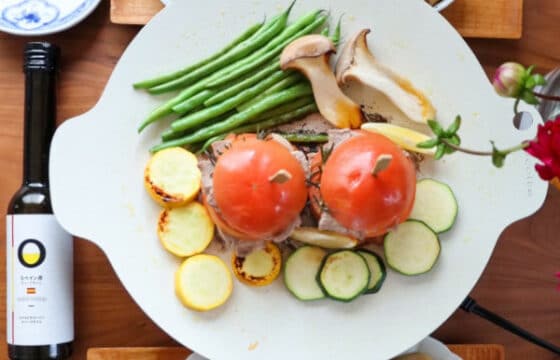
x=336, y=35
x=210, y=141
x=170, y=134
x=145, y=84
x=280, y=85
x=198, y=118
x=325, y=31
x=248, y=46
x=239, y=119
x=267, y=53
x=282, y=109
x=167, y=107
x=235, y=89
x=305, y=137
x=194, y=101
x=276, y=120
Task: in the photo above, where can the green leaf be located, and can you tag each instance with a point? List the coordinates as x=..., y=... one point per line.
x=539, y=79
x=440, y=151
x=436, y=127
x=498, y=157
x=529, y=98
x=530, y=83
x=455, y=140
x=449, y=150
x=454, y=127
x=529, y=70
x=428, y=144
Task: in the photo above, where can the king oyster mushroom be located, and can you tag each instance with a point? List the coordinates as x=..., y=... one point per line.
x=310, y=55
x=357, y=63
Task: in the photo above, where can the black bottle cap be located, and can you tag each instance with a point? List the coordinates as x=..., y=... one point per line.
x=40, y=56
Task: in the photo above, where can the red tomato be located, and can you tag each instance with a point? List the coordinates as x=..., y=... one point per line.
x=220, y=223
x=361, y=201
x=247, y=198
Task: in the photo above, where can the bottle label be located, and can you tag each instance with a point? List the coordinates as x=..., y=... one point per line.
x=39, y=286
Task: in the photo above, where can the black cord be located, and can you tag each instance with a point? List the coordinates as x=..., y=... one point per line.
x=470, y=305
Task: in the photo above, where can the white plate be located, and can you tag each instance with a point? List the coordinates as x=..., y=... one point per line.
x=97, y=163
x=42, y=17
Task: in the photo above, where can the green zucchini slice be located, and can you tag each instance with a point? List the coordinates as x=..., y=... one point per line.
x=344, y=275
x=300, y=273
x=376, y=269
x=412, y=248
x=434, y=204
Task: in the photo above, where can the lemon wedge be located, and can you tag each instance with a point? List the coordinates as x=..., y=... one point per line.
x=323, y=238
x=404, y=137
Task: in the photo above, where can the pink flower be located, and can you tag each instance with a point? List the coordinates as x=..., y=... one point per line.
x=508, y=79
x=546, y=148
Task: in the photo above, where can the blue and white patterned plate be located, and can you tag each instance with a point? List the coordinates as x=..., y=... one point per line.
x=41, y=17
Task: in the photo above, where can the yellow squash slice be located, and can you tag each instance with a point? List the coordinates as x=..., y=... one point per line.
x=203, y=282
x=261, y=267
x=172, y=177
x=404, y=137
x=322, y=238
x=186, y=230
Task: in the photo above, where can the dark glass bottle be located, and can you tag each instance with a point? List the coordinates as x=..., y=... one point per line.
x=39, y=253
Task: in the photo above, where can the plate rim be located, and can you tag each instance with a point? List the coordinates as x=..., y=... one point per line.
x=76, y=17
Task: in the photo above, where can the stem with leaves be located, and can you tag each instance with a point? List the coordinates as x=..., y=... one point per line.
x=447, y=142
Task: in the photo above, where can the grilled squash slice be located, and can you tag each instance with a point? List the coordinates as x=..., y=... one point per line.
x=172, y=177
x=186, y=230
x=203, y=282
x=261, y=267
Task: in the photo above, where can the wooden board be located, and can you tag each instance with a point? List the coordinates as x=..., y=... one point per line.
x=136, y=12
x=466, y=352
x=479, y=352
x=487, y=19
x=139, y=353
x=472, y=18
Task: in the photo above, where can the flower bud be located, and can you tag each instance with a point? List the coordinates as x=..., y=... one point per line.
x=508, y=79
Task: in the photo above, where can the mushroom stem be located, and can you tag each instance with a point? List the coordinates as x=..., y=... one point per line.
x=333, y=104
x=280, y=177
x=383, y=161
x=310, y=55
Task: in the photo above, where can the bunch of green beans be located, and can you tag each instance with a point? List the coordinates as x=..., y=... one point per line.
x=240, y=88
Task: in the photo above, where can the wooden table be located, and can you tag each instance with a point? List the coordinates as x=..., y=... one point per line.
x=519, y=282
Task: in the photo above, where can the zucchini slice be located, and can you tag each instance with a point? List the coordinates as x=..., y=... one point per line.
x=344, y=275
x=376, y=269
x=203, y=282
x=435, y=204
x=172, y=177
x=300, y=273
x=323, y=238
x=412, y=248
x=185, y=231
x=260, y=267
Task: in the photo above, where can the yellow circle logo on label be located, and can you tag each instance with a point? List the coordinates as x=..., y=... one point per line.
x=31, y=253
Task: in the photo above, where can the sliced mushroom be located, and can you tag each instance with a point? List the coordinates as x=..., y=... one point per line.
x=357, y=63
x=310, y=55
